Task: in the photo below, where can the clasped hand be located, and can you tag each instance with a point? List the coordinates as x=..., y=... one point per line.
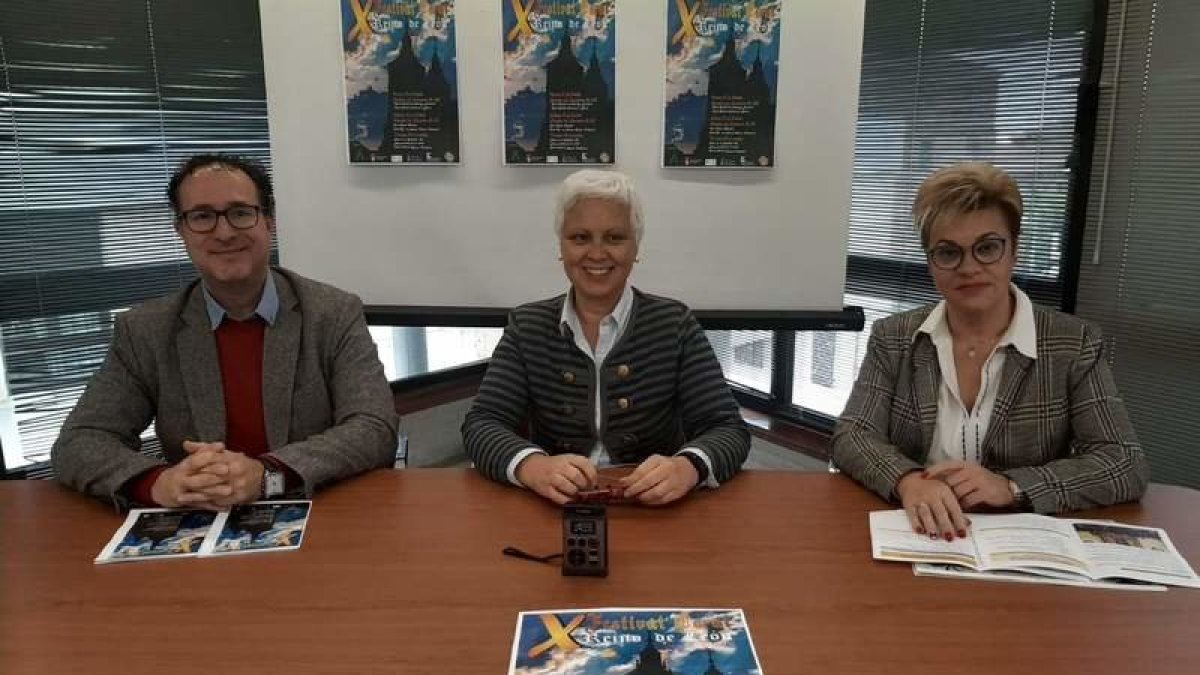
x=656, y=481
x=935, y=499
x=210, y=477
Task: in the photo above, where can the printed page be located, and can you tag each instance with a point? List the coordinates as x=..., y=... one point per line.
x=149, y=534
x=1053, y=577
x=258, y=528
x=1132, y=552
x=892, y=538
x=1028, y=542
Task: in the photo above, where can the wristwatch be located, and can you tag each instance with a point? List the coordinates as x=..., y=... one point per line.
x=1018, y=495
x=701, y=467
x=272, y=483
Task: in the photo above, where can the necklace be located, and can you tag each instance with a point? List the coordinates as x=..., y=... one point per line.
x=974, y=350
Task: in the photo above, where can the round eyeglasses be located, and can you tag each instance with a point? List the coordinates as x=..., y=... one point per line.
x=239, y=217
x=949, y=256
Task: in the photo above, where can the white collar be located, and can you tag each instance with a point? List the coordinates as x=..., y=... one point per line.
x=619, y=315
x=1021, y=332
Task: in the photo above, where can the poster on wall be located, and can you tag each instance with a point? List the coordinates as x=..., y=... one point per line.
x=559, y=81
x=401, y=81
x=721, y=83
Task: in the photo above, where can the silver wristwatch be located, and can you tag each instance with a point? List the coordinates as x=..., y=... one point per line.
x=272, y=483
x=1017, y=493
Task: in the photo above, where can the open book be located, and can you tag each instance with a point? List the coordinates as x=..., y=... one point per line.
x=1041, y=546
x=149, y=534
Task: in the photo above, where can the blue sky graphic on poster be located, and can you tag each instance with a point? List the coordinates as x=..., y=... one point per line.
x=697, y=34
x=373, y=32
x=188, y=533
x=611, y=642
x=283, y=527
x=532, y=33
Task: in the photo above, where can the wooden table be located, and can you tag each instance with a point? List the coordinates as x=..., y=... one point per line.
x=401, y=572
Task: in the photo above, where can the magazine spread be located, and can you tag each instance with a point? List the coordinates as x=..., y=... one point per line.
x=1061, y=548
x=150, y=534
x=617, y=640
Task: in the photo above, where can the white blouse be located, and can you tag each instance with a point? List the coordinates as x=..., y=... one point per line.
x=959, y=432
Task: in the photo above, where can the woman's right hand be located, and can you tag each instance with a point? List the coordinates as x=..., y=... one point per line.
x=931, y=506
x=557, y=478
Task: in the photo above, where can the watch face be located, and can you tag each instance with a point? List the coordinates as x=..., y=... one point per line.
x=274, y=483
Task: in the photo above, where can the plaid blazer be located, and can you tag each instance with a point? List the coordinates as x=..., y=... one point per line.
x=1059, y=428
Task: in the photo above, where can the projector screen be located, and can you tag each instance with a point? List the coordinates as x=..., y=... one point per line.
x=481, y=234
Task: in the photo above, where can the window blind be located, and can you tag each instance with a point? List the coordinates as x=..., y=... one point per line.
x=945, y=81
x=101, y=101
x=1138, y=276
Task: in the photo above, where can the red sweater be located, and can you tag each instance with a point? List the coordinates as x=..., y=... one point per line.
x=240, y=351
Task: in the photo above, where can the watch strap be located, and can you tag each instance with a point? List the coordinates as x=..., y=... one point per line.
x=701, y=466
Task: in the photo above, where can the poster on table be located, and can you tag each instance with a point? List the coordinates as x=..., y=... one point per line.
x=633, y=641
x=401, y=81
x=722, y=78
x=559, y=81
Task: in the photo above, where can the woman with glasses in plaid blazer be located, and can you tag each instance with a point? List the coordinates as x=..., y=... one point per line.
x=983, y=400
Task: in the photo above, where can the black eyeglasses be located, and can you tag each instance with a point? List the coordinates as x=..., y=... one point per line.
x=239, y=217
x=949, y=256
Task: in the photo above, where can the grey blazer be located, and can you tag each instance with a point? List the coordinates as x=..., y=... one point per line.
x=661, y=389
x=1059, y=429
x=329, y=410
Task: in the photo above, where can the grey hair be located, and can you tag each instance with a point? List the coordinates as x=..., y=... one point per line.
x=599, y=184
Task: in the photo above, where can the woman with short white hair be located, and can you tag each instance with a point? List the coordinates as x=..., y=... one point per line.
x=983, y=400
x=604, y=373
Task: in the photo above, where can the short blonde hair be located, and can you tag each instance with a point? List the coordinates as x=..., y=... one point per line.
x=599, y=184
x=964, y=188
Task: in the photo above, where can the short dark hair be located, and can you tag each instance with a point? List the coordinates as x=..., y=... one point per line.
x=262, y=180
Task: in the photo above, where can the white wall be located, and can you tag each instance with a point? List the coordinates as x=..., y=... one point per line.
x=480, y=234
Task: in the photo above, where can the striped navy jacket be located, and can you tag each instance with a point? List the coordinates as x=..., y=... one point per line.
x=661, y=387
x=1059, y=429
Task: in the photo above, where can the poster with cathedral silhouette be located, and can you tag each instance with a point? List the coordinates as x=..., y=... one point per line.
x=559, y=79
x=721, y=83
x=401, y=81
x=633, y=642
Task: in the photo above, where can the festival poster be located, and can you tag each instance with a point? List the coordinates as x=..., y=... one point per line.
x=633, y=642
x=722, y=80
x=401, y=81
x=158, y=533
x=559, y=81
x=259, y=527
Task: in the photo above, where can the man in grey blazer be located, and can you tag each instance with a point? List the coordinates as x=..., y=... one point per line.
x=259, y=382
